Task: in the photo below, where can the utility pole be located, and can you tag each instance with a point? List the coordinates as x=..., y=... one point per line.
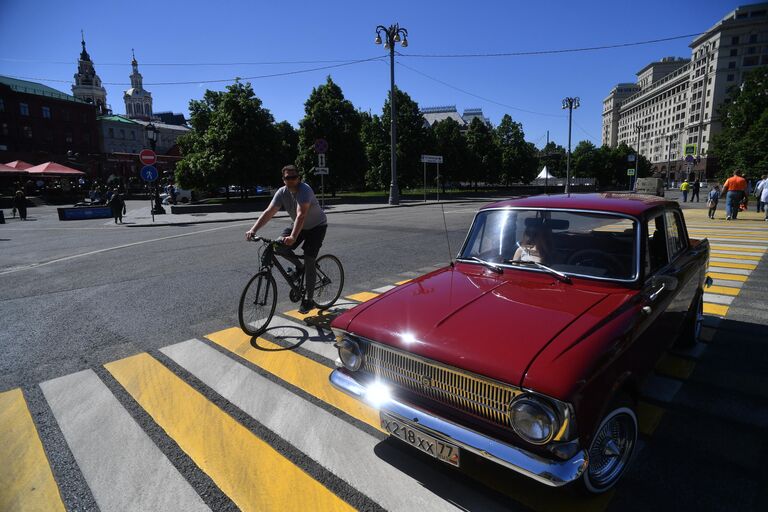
x=570, y=104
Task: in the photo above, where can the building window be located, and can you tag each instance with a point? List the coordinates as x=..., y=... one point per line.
x=734, y=52
x=133, y=135
x=111, y=133
x=122, y=133
x=751, y=61
x=5, y=128
x=752, y=50
x=24, y=109
x=2, y=105
x=27, y=132
x=65, y=115
x=735, y=40
x=732, y=65
x=46, y=112
x=753, y=38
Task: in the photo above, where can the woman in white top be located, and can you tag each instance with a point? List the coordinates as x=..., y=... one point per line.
x=535, y=246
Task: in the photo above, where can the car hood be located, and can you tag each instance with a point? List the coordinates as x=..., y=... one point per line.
x=472, y=318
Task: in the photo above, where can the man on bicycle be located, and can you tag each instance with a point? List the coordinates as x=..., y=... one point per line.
x=309, y=226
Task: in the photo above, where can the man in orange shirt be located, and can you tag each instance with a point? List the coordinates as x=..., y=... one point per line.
x=736, y=188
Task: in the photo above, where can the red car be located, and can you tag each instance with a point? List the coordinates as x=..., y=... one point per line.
x=531, y=348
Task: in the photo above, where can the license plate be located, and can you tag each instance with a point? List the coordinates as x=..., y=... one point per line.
x=445, y=452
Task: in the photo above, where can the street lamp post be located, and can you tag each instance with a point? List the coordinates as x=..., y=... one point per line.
x=570, y=104
x=639, y=128
x=152, y=132
x=391, y=36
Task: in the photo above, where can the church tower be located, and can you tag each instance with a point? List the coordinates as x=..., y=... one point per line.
x=138, y=102
x=87, y=83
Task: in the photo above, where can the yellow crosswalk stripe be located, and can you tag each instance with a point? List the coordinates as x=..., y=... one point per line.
x=754, y=250
x=26, y=480
x=748, y=257
x=715, y=309
x=362, y=296
x=723, y=290
x=724, y=264
x=403, y=282
x=245, y=468
x=306, y=374
x=648, y=417
x=729, y=277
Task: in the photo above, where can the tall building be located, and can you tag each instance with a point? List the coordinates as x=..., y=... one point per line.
x=434, y=115
x=138, y=102
x=676, y=100
x=87, y=83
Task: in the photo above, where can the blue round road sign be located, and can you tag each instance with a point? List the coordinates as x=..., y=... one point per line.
x=149, y=173
x=321, y=146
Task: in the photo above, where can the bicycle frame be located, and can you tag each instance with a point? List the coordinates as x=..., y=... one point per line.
x=269, y=259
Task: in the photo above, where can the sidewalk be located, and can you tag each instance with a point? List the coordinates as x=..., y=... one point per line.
x=140, y=216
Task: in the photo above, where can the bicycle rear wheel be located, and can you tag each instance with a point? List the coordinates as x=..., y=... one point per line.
x=257, y=304
x=330, y=281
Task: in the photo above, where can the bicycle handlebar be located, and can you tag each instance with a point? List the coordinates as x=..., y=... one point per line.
x=265, y=240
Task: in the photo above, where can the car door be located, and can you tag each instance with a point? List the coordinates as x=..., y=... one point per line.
x=683, y=266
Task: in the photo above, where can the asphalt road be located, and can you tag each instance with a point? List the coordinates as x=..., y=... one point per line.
x=83, y=303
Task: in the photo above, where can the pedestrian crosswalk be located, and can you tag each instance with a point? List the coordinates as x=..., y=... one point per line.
x=736, y=248
x=259, y=419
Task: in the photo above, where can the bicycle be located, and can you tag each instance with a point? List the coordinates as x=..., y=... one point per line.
x=260, y=294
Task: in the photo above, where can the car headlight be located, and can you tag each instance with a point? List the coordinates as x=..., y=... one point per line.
x=533, y=419
x=350, y=353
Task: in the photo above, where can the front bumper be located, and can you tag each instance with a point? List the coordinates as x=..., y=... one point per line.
x=550, y=472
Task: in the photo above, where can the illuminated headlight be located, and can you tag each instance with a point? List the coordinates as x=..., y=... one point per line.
x=350, y=353
x=533, y=419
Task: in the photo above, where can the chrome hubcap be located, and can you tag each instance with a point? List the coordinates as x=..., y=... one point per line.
x=611, y=450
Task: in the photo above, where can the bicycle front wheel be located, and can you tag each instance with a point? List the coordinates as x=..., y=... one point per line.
x=330, y=281
x=257, y=304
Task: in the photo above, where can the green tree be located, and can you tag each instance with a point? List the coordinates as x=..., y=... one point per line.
x=450, y=143
x=289, y=143
x=411, y=140
x=328, y=115
x=518, y=158
x=585, y=160
x=484, y=156
x=233, y=141
x=376, y=146
x=743, y=140
x=553, y=156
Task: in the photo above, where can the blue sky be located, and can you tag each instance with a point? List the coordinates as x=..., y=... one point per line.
x=41, y=39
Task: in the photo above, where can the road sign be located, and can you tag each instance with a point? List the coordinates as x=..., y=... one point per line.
x=432, y=159
x=321, y=146
x=320, y=170
x=689, y=150
x=321, y=159
x=631, y=157
x=147, y=157
x=690, y=159
x=630, y=172
x=149, y=173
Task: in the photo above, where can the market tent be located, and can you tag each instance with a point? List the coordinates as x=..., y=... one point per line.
x=544, y=174
x=7, y=170
x=54, y=169
x=19, y=165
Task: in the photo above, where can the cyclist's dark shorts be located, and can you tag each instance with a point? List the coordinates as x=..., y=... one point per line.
x=312, y=238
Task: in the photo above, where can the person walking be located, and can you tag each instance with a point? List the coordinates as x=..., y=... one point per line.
x=712, y=200
x=695, y=190
x=309, y=227
x=735, y=188
x=764, y=198
x=758, y=191
x=117, y=204
x=684, y=186
x=20, y=204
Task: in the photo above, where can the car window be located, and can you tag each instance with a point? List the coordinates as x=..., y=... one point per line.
x=578, y=243
x=676, y=241
x=656, y=245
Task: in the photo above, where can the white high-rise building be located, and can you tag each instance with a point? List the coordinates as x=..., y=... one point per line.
x=676, y=100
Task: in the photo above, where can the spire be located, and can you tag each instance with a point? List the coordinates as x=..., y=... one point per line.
x=133, y=61
x=84, y=54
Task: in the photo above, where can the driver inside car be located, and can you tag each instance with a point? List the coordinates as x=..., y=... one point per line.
x=536, y=245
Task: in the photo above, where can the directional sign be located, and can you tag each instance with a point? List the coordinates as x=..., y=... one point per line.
x=147, y=157
x=149, y=173
x=630, y=172
x=689, y=150
x=320, y=170
x=432, y=159
x=321, y=146
x=321, y=160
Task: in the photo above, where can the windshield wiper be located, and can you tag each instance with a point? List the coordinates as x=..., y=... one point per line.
x=563, y=277
x=488, y=264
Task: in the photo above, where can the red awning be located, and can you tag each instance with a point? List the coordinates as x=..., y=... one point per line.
x=54, y=169
x=7, y=169
x=19, y=164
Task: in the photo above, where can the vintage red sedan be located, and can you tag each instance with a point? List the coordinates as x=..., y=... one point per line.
x=531, y=348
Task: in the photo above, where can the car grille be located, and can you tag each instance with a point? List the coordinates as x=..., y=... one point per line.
x=479, y=396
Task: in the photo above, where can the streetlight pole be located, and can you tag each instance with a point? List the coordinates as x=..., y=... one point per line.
x=152, y=131
x=392, y=35
x=570, y=104
x=639, y=128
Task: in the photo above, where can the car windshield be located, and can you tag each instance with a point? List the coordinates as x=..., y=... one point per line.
x=575, y=243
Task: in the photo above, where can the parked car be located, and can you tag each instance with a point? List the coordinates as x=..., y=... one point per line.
x=531, y=348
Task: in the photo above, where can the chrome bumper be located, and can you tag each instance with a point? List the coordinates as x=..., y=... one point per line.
x=547, y=471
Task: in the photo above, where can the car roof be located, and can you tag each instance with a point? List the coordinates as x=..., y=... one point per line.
x=627, y=203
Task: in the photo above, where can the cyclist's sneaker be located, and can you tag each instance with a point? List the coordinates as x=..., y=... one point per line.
x=306, y=306
x=294, y=274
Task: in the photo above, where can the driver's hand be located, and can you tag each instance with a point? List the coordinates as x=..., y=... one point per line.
x=288, y=240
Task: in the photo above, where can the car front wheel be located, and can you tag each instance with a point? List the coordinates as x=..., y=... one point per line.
x=611, y=449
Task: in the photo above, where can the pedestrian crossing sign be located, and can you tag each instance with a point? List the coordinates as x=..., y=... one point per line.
x=690, y=150
x=630, y=172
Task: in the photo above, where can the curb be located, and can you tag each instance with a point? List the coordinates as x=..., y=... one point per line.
x=327, y=212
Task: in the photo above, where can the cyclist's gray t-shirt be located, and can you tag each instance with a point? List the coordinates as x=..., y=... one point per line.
x=285, y=200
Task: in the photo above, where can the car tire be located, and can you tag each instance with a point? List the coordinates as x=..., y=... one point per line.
x=693, y=322
x=611, y=449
